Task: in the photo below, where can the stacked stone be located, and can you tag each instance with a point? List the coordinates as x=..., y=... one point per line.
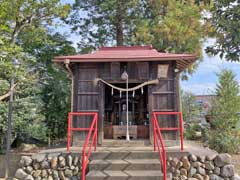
x=194, y=167
x=51, y=167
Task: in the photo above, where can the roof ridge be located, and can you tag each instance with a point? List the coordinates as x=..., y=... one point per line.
x=147, y=47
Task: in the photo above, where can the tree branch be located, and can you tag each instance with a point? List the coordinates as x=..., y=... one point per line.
x=8, y=93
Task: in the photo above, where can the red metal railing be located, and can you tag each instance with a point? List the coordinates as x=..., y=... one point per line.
x=90, y=139
x=180, y=128
x=161, y=147
x=158, y=137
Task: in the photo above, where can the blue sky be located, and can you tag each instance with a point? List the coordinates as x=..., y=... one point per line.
x=203, y=81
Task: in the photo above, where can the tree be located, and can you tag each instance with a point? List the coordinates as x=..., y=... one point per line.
x=225, y=111
x=101, y=23
x=171, y=26
x=168, y=25
x=55, y=86
x=225, y=20
x=16, y=19
x=190, y=107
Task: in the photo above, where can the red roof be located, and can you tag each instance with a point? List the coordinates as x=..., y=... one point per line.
x=126, y=54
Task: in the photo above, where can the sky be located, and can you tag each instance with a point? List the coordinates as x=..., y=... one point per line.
x=203, y=81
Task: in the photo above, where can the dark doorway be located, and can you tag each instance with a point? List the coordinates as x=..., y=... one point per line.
x=115, y=112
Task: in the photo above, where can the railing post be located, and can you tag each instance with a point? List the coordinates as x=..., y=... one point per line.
x=83, y=167
x=164, y=166
x=69, y=132
x=154, y=132
x=181, y=130
x=96, y=131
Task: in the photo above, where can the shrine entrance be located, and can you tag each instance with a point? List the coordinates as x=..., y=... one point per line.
x=116, y=109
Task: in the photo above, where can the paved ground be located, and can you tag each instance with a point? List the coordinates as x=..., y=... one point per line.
x=14, y=159
x=236, y=162
x=193, y=148
x=14, y=162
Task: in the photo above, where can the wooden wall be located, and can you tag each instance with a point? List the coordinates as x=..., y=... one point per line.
x=88, y=97
x=164, y=97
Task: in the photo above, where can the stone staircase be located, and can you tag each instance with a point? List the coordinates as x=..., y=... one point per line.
x=121, y=160
x=125, y=165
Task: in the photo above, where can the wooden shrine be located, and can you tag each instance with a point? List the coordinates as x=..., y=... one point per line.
x=142, y=64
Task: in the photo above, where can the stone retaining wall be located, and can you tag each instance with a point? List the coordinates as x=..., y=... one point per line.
x=194, y=167
x=68, y=167
x=49, y=167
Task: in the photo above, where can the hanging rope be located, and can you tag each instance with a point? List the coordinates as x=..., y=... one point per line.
x=155, y=81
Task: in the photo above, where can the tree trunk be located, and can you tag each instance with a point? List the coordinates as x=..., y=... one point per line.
x=119, y=23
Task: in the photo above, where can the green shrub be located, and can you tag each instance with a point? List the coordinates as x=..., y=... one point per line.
x=190, y=131
x=224, y=143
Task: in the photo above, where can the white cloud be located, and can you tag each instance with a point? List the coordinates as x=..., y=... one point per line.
x=199, y=89
x=205, y=79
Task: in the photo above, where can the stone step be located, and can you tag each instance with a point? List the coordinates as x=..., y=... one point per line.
x=124, y=143
x=126, y=164
x=108, y=155
x=125, y=175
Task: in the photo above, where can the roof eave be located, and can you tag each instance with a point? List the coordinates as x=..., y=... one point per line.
x=81, y=60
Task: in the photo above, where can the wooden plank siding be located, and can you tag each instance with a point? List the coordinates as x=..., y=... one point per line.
x=162, y=97
x=86, y=97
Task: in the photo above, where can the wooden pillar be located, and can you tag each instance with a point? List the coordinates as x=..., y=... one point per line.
x=150, y=107
x=101, y=100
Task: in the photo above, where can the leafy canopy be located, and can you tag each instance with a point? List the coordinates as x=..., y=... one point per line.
x=225, y=21
x=24, y=23
x=171, y=26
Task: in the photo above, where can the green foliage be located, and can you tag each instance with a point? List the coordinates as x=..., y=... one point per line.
x=224, y=143
x=225, y=20
x=190, y=131
x=23, y=27
x=170, y=26
x=190, y=108
x=101, y=23
x=55, y=84
x=226, y=105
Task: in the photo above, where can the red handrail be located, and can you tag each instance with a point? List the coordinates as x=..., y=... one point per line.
x=161, y=149
x=70, y=128
x=91, y=136
x=86, y=155
x=158, y=137
x=180, y=128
